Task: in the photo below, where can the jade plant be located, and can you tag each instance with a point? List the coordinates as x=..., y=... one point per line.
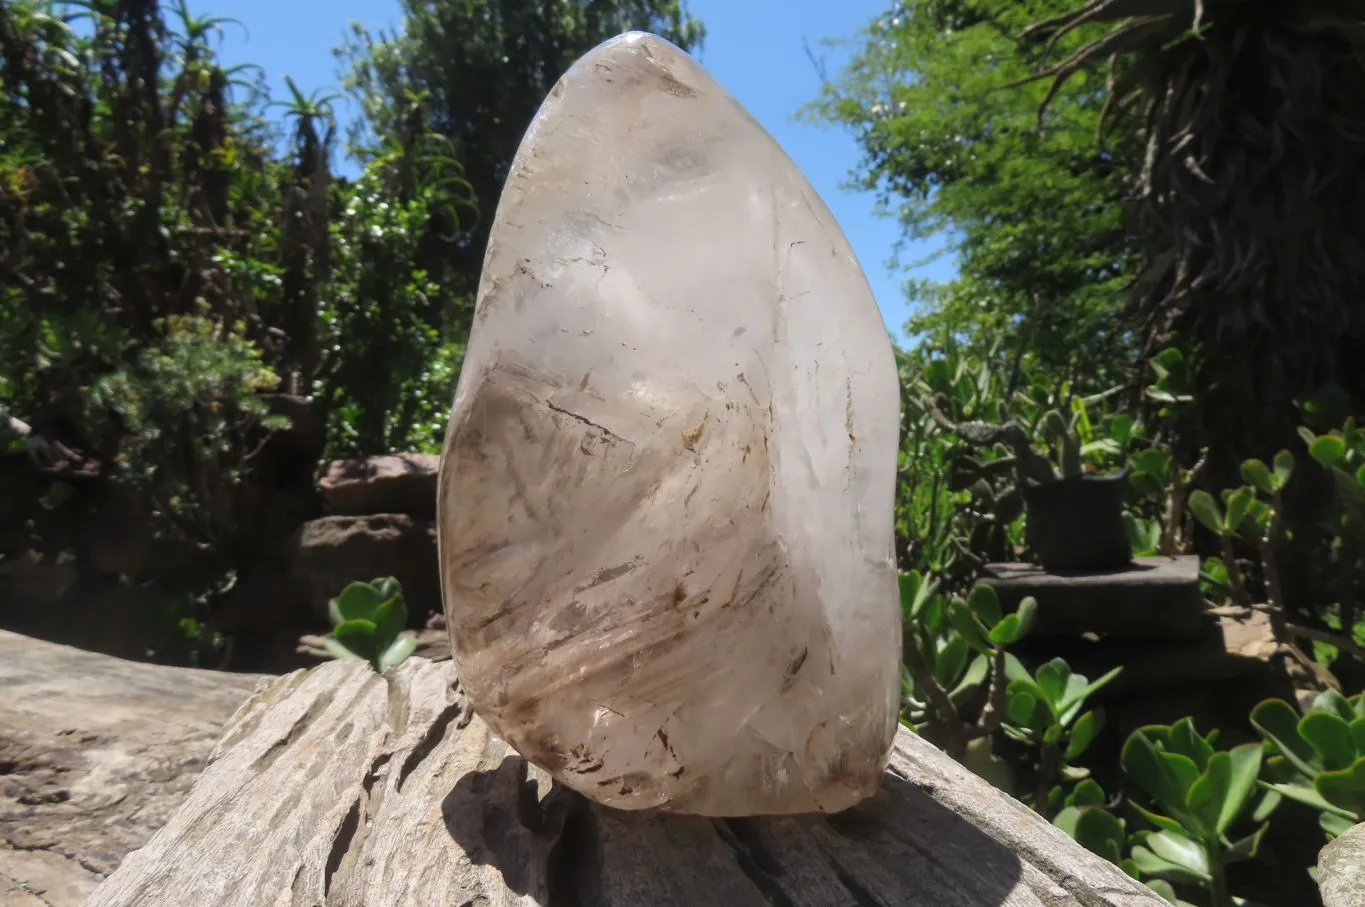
x=1162, y=483
x=1250, y=513
x=1201, y=795
x=367, y=623
x=1046, y=711
x=952, y=646
x=1155, y=476
x=1318, y=758
x=1341, y=452
x=1173, y=384
x=1083, y=815
x=956, y=646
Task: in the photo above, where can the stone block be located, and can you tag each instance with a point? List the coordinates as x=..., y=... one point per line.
x=1152, y=597
x=394, y=483
x=337, y=550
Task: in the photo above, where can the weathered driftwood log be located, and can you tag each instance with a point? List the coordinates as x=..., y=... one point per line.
x=96, y=753
x=337, y=786
x=1341, y=870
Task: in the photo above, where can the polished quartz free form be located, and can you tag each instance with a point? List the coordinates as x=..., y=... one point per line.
x=666, y=491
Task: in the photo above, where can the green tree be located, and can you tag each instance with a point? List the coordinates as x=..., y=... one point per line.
x=394, y=344
x=162, y=266
x=128, y=176
x=475, y=72
x=1252, y=195
x=1037, y=218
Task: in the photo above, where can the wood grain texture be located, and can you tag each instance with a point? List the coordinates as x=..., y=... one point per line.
x=96, y=754
x=343, y=788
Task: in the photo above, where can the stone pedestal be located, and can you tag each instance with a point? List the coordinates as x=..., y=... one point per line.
x=1179, y=657
x=1152, y=597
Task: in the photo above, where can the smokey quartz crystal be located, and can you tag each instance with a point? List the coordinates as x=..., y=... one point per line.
x=666, y=491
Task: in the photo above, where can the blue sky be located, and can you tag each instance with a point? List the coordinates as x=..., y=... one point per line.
x=754, y=48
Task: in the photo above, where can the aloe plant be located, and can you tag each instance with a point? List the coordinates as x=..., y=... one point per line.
x=367, y=623
x=1318, y=758
x=1200, y=794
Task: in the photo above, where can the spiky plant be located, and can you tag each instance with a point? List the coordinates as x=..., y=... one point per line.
x=1251, y=202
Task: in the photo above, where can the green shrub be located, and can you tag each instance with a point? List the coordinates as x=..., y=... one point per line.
x=1202, y=795
x=1318, y=758
x=183, y=414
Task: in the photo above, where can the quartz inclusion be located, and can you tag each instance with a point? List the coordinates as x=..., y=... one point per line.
x=666, y=491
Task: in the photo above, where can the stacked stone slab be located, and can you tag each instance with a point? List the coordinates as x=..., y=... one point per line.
x=377, y=520
x=1179, y=657
x=380, y=521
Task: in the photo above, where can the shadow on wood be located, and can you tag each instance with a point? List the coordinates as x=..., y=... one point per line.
x=337, y=786
x=840, y=859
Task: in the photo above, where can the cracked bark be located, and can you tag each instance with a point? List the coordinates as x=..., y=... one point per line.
x=387, y=792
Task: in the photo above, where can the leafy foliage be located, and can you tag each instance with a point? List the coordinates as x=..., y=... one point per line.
x=1036, y=219
x=445, y=100
x=183, y=412
x=1317, y=759
x=474, y=73
x=176, y=249
x=953, y=646
x=386, y=316
x=367, y=623
x=1243, y=252
x=169, y=255
x=128, y=176
x=1031, y=727
x=1202, y=794
x=961, y=686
